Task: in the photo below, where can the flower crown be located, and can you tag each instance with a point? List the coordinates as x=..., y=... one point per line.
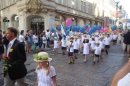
x=37, y=57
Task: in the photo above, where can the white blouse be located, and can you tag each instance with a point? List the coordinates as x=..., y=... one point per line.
x=44, y=80
x=124, y=81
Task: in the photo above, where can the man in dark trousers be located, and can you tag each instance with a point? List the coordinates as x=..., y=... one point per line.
x=16, y=52
x=126, y=40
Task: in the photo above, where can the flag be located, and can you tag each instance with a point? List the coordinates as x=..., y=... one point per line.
x=63, y=32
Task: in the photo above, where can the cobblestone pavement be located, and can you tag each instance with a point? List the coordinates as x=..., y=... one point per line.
x=80, y=73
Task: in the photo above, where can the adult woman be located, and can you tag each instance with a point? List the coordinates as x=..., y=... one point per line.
x=46, y=75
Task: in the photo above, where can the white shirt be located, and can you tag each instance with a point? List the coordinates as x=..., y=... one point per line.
x=125, y=81
x=35, y=39
x=63, y=43
x=101, y=44
x=43, y=79
x=21, y=38
x=97, y=50
x=107, y=41
x=71, y=49
x=76, y=45
x=48, y=34
x=44, y=39
x=114, y=37
x=10, y=45
x=96, y=39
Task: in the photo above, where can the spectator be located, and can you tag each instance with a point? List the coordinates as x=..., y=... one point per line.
x=1, y=45
x=6, y=42
x=126, y=44
x=48, y=34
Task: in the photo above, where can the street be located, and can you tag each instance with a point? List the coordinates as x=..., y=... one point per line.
x=80, y=73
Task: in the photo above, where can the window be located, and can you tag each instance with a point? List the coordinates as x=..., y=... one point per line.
x=63, y=2
x=90, y=10
x=82, y=6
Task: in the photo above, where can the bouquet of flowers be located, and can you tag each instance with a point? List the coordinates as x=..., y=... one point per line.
x=5, y=62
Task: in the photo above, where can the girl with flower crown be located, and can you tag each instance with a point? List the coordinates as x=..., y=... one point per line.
x=46, y=75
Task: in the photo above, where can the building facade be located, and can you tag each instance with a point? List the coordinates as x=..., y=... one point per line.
x=109, y=12
x=43, y=14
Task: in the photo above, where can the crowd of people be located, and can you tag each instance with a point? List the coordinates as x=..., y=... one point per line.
x=72, y=45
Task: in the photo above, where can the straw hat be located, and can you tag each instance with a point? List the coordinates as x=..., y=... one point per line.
x=41, y=57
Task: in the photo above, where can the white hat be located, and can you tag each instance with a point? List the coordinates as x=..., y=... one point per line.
x=41, y=57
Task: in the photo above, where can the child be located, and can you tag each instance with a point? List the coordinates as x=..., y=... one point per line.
x=71, y=50
x=97, y=51
x=79, y=42
x=44, y=41
x=46, y=74
x=101, y=45
x=85, y=48
x=63, y=46
x=92, y=43
x=56, y=45
x=107, y=42
x=76, y=47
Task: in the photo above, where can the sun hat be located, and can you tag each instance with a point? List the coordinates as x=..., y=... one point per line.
x=71, y=37
x=41, y=57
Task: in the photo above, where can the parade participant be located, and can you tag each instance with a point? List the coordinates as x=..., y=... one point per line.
x=63, y=45
x=44, y=41
x=71, y=50
x=114, y=38
x=96, y=38
x=92, y=43
x=79, y=43
x=56, y=45
x=17, y=71
x=97, y=51
x=76, y=48
x=46, y=75
x=85, y=48
x=107, y=42
x=101, y=46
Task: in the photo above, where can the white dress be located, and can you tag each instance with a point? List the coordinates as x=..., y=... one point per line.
x=56, y=44
x=85, y=48
x=44, y=80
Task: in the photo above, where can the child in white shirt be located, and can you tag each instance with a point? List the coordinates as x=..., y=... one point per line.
x=97, y=51
x=101, y=46
x=44, y=41
x=107, y=42
x=63, y=46
x=56, y=45
x=76, y=48
x=71, y=51
x=92, y=43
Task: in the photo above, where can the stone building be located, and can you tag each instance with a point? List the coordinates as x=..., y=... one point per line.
x=43, y=14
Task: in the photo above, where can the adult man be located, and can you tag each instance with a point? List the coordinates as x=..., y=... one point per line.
x=16, y=52
x=126, y=44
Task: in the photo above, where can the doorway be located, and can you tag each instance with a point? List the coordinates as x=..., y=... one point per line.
x=37, y=24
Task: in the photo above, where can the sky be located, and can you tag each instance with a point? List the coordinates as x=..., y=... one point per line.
x=126, y=4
